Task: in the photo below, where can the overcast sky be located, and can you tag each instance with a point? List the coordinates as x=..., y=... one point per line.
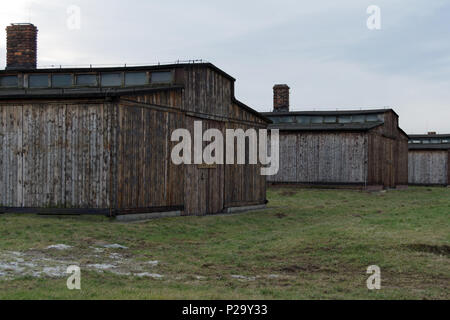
x=322, y=49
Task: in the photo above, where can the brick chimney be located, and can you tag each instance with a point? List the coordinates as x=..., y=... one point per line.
x=21, y=46
x=281, y=98
x=432, y=133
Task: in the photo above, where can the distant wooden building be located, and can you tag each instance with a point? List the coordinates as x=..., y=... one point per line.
x=429, y=159
x=98, y=140
x=360, y=148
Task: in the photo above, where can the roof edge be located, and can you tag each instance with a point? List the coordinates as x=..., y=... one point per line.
x=330, y=112
x=251, y=110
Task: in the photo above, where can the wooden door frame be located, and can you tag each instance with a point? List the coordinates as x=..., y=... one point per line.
x=203, y=208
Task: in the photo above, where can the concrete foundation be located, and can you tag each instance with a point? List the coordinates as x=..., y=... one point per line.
x=147, y=216
x=244, y=209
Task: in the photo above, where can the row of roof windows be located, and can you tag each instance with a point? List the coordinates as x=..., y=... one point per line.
x=430, y=141
x=328, y=119
x=61, y=80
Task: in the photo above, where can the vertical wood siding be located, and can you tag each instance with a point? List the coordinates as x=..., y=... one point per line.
x=337, y=158
x=204, y=186
x=448, y=168
x=83, y=153
x=388, y=154
x=428, y=167
x=59, y=155
x=146, y=175
x=244, y=183
x=206, y=91
x=11, y=141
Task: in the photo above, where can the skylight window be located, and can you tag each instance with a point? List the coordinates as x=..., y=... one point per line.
x=111, y=79
x=38, y=81
x=61, y=80
x=135, y=78
x=9, y=81
x=162, y=77
x=86, y=80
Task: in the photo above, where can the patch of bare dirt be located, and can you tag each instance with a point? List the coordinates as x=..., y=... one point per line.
x=53, y=261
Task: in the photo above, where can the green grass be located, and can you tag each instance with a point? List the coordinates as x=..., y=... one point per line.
x=319, y=243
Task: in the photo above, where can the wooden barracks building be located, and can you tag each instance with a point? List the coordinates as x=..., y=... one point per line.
x=361, y=148
x=97, y=140
x=429, y=159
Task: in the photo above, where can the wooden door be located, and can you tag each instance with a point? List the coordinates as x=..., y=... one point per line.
x=204, y=184
x=389, y=176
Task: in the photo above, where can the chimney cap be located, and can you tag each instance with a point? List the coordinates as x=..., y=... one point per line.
x=22, y=24
x=281, y=86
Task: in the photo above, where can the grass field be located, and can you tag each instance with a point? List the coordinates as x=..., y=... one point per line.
x=309, y=244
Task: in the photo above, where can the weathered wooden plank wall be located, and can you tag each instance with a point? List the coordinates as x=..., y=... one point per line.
x=56, y=155
x=388, y=154
x=428, y=167
x=402, y=161
x=85, y=153
x=168, y=98
x=244, y=184
x=209, y=93
x=204, y=185
x=146, y=175
x=448, y=168
x=11, y=155
x=206, y=91
x=326, y=157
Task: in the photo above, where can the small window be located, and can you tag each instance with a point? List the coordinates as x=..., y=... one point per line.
x=61, y=80
x=445, y=141
x=416, y=141
x=435, y=141
x=162, y=77
x=372, y=118
x=345, y=119
x=111, y=79
x=316, y=120
x=275, y=120
x=9, y=81
x=303, y=119
x=359, y=119
x=286, y=119
x=38, y=81
x=135, y=78
x=330, y=119
x=86, y=80
x=425, y=141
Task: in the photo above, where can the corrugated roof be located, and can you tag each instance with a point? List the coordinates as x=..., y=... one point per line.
x=326, y=126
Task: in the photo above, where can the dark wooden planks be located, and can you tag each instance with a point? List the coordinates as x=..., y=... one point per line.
x=146, y=175
x=244, y=184
x=428, y=167
x=63, y=155
x=204, y=185
x=11, y=146
x=93, y=154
